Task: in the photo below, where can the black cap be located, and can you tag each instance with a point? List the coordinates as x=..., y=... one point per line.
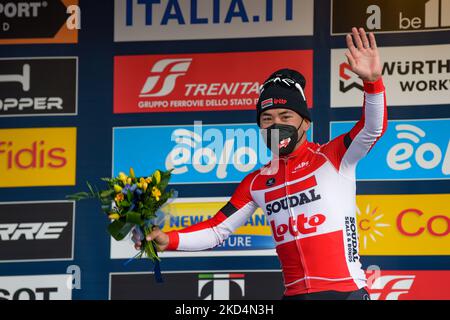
x=283, y=89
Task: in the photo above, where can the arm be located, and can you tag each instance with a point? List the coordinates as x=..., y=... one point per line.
x=210, y=233
x=345, y=151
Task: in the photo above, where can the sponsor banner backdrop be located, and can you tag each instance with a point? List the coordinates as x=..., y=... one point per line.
x=200, y=82
x=37, y=157
x=42, y=287
x=36, y=231
x=413, y=75
x=409, y=150
x=390, y=15
x=253, y=238
x=33, y=22
x=268, y=285
x=223, y=153
x=184, y=19
x=198, y=285
x=409, y=285
x=404, y=225
x=38, y=86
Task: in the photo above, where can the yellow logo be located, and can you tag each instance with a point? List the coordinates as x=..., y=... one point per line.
x=404, y=224
x=37, y=157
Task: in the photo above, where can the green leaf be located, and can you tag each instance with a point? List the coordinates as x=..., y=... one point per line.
x=106, y=193
x=119, y=229
x=129, y=196
x=78, y=196
x=134, y=217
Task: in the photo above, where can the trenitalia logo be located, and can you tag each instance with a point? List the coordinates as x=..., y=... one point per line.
x=403, y=224
x=174, y=68
x=200, y=82
x=37, y=157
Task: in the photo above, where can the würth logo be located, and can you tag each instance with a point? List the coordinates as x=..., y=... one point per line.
x=163, y=76
x=347, y=81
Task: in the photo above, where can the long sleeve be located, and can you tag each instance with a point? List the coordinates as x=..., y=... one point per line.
x=212, y=232
x=347, y=149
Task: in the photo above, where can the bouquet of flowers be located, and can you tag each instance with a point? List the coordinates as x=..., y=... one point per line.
x=132, y=201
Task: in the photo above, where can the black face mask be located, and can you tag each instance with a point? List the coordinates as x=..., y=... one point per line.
x=288, y=137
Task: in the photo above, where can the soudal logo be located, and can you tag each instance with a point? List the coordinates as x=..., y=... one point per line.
x=198, y=82
x=391, y=15
x=301, y=225
x=38, y=86
x=391, y=287
x=36, y=231
x=277, y=199
x=164, y=75
x=284, y=143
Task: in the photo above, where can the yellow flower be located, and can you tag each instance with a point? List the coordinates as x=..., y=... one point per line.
x=129, y=181
x=141, y=180
x=132, y=173
x=144, y=186
x=157, y=176
x=119, y=197
x=139, y=185
x=123, y=177
x=156, y=193
x=114, y=216
x=117, y=188
x=148, y=180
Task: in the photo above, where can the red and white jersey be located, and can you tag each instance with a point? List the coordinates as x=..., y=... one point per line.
x=309, y=198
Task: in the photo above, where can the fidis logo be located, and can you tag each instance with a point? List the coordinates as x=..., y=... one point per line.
x=200, y=82
x=37, y=157
x=254, y=237
x=404, y=224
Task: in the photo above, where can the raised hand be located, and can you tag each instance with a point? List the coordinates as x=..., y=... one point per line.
x=364, y=59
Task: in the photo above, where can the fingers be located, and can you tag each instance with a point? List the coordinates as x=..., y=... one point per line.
x=152, y=235
x=357, y=38
x=373, y=43
x=363, y=35
x=350, y=45
x=350, y=59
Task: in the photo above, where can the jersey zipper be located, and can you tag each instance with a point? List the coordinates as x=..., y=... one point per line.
x=291, y=214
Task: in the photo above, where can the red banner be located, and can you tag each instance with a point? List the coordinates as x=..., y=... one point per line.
x=201, y=82
x=409, y=285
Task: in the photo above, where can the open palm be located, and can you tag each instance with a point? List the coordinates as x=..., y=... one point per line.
x=364, y=59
